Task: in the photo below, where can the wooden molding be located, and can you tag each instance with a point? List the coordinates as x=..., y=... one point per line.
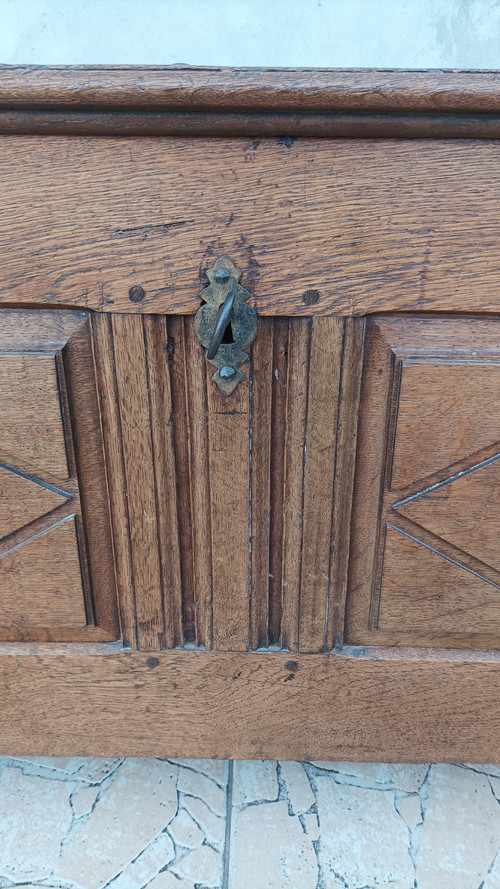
x=342, y=103
x=250, y=89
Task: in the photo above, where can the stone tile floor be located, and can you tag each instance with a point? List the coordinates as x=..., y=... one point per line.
x=205, y=824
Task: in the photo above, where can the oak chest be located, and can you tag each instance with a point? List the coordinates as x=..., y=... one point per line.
x=250, y=414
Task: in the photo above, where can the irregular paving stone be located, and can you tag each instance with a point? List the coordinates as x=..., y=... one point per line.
x=461, y=834
x=410, y=809
x=159, y=853
x=166, y=880
x=137, y=805
x=214, y=768
x=364, y=842
x=83, y=800
x=271, y=850
x=184, y=831
x=196, y=784
x=35, y=815
x=254, y=781
x=203, y=866
x=401, y=776
x=298, y=788
x=211, y=825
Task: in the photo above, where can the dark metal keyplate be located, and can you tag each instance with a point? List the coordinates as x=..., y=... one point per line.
x=225, y=325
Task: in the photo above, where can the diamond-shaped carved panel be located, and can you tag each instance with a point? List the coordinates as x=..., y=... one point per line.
x=425, y=542
x=56, y=563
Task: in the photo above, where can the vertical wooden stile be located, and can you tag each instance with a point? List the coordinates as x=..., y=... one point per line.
x=347, y=430
x=130, y=368
x=229, y=456
x=261, y=420
x=278, y=415
x=322, y=419
x=293, y=496
x=197, y=420
x=175, y=356
x=165, y=470
x=115, y=465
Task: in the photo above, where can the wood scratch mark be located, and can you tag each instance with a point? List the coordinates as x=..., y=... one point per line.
x=423, y=272
x=145, y=230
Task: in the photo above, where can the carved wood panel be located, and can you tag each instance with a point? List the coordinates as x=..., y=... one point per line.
x=231, y=513
x=425, y=558
x=56, y=563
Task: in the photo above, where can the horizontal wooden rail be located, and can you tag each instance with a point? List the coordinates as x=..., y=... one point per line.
x=364, y=705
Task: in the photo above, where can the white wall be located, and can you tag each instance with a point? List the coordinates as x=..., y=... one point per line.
x=305, y=33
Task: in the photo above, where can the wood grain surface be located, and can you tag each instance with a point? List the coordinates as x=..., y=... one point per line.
x=394, y=707
x=251, y=124
x=345, y=461
x=56, y=558
x=41, y=581
x=424, y=553
x=464, y=511
x=305, y=89
x=318, y=227
x=432, y=600
x=22, y=500
x=455, y=400
x=33, y=436
x=187, y=101
x=132, y=491
x=230, y=513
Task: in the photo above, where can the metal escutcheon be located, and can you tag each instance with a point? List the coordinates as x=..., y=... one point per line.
x=225, y=325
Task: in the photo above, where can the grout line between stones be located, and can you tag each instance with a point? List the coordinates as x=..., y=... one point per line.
x=470, y=768
x=312, y=772
x=490, y=870
x=343, y=779
x=495, y=797
x=184, y=764
x=226, y=853
x=77, y=822
x=413, y=832
x=283, y=789
x=183, y=796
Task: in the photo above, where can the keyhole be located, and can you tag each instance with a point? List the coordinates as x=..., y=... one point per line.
x=228, y=337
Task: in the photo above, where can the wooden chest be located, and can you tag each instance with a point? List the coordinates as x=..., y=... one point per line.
x=307, y=566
